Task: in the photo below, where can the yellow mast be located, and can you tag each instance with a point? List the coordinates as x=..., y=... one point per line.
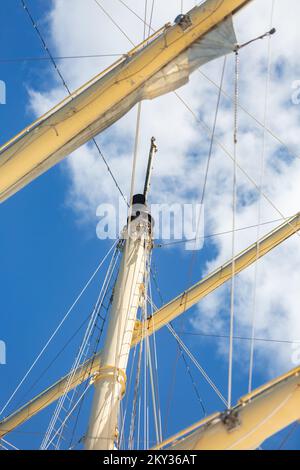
x=73, y=122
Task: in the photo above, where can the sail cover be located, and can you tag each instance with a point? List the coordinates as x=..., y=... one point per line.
x=87, y=112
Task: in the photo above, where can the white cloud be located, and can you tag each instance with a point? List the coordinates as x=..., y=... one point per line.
x=79, y=27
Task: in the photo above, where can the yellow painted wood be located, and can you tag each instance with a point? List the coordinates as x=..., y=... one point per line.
x=52, y=137
x=49, y=396
x=267, y=411
x=163, y=316
x=188, y=299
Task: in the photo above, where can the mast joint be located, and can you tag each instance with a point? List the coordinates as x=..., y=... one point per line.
x=184, y=21
x=231, y=420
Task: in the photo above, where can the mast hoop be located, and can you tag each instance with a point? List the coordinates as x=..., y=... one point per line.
x=114, y=373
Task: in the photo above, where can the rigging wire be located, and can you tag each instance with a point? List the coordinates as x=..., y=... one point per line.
x=259, y=211
x=227, y=95
x=138, y=125
x=156, y=367
x=12, y=446
x=207, y=129
x=208, y=162
x=240, y=338
x=82, y=351
x=188, y=369
x=59, y=73
x=57, y=328
x=7, y=60
x=96, y=345
x=290, y=434
x=234, y=209
x=154, y=379
x=227, y=232
x=56, y=357
x=95, y=350
x=212, y=137
x=249, y=114
x=122, y=433
x=225, y=150
x=198, y=366
x=58, y=431
x=114, y=22
x=149, y=25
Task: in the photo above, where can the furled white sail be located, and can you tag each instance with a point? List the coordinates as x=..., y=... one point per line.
x=103, y=101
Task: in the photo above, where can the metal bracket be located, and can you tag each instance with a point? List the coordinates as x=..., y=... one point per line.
x=231, y=420
x=184, y=21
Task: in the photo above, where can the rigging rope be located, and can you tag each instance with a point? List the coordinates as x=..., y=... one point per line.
x=194, y=257
x=82, y=351
x=138, y=124
x=234, y=208
x=259, y=212
x=114, y=22
x=58, y=328
x=12, y=446
x=208, y=164
x=156, y=365
x=240, y=338
x=56, y=58
x=228, y=232
x=276, y=137
x=196, y=363
x=255, y=119
x=58, y=71
x=188, y=370
x=207, y=129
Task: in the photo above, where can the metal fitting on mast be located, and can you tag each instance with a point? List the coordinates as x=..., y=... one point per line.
x=153, y=151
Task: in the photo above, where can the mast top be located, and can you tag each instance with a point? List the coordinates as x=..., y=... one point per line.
x=152, y=152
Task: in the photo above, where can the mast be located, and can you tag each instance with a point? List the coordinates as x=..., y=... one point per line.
x=153, y=150
x=110, y=385
x=164, y=315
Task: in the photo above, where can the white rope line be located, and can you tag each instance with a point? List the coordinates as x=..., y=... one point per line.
x=58, y=327
x=227, y=95
x=208, y=130
x=139, y=424
x=9, y=444
x=156, y=366
x=249, y=114
x=122, y=433
x=145, y=315
x=153, y=388
x=70, y=413
x=71, y=376
x=234, y=208
x=138, y=126
x=114, y=22
x=81, y=352
x=196, y=363
x=259, y=214
x=155, y=412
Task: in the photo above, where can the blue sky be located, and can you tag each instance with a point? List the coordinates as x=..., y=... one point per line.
x=49, y=251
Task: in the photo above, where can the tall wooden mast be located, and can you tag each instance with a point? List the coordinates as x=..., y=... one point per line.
x=129, y=292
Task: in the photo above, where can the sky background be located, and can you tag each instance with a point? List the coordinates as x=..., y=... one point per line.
x=49, y=247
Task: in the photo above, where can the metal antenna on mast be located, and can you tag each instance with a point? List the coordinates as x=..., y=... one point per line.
x=153, y=151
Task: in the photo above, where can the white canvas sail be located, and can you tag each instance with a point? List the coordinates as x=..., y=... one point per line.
x=89, y=111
